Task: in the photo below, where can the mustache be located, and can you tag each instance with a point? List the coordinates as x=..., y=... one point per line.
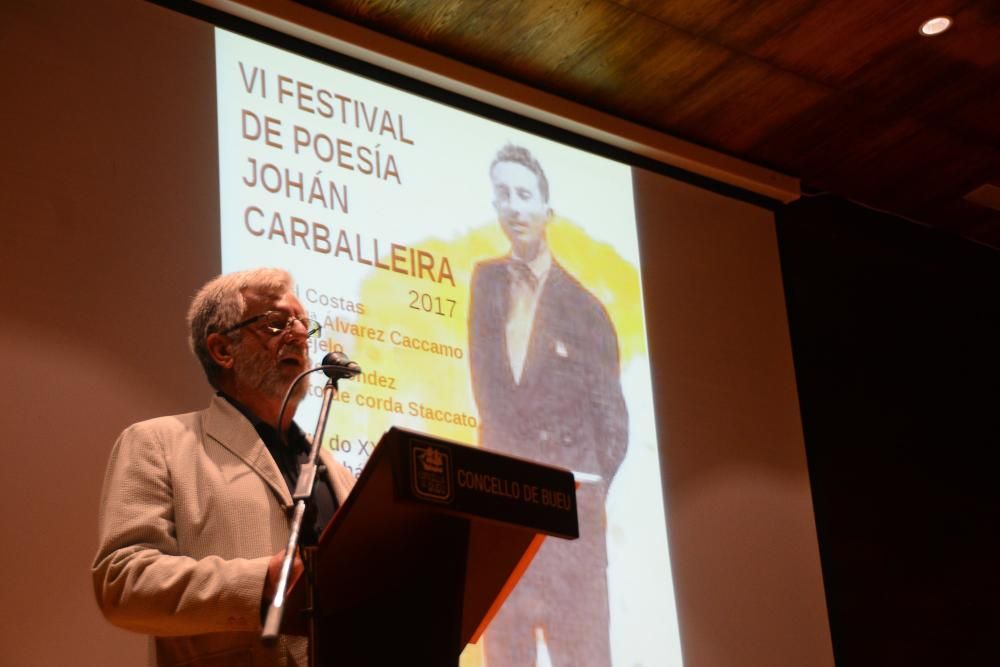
x=300, y=349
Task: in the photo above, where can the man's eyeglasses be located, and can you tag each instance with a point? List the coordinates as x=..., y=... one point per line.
x=276, y=322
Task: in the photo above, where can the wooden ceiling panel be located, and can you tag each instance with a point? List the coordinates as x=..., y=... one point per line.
x=758, y=22
x=599, y=52
x=579, y=38
x=737, y=24
x=645, y=67
x=973, y=38
x=837, y=38
x=699, y=18
x=843, y=94
x=374, y=12
x=927, y=172
x=981, y=115
x=908, y=168
x=455, y=21
x=830, y=157
x=760, y=102
x=846, y=146
x=477, y=31
x=926, y=85
x=554, y=34
x=815, y=132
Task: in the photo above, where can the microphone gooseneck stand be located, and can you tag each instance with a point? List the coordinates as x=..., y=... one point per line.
x=336, y=367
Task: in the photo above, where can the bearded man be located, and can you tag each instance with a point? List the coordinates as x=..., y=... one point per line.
x=194, y=511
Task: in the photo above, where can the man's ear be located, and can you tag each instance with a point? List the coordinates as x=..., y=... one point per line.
x=220, y=348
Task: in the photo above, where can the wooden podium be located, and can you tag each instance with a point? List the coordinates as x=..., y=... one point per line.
x=425, y=549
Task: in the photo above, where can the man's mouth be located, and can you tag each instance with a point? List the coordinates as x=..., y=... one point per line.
x=292, y=358
x=517, y=227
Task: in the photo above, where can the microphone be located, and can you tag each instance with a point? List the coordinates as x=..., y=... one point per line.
x=337, y=366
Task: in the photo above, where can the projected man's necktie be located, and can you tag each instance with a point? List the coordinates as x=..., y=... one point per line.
x=523, y=297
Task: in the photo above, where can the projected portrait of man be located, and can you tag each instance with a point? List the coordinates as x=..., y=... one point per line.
x=545, y=374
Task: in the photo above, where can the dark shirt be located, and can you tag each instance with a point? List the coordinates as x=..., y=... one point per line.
x=289, y=459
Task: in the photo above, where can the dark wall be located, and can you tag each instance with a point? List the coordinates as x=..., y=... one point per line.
x=895, y=338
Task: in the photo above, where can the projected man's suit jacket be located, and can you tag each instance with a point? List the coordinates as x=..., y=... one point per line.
x=567, y=410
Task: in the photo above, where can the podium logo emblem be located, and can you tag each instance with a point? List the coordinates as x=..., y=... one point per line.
x=431, y=472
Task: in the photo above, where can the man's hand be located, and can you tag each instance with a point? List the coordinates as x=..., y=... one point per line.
x=274, y=573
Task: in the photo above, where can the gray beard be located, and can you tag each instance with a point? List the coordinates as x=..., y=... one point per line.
x=256, y=370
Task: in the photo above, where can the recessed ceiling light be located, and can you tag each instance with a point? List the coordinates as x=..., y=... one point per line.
x=935, y=26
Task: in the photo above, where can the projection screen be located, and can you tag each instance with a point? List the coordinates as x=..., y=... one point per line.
x=387, y=208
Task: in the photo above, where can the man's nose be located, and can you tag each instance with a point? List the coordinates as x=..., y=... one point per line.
x=515, y=211
x=296, y=329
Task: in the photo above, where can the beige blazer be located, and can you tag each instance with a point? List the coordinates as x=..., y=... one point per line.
x=192, y=510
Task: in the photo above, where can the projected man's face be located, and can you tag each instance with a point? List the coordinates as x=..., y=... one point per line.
x=520, y=206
